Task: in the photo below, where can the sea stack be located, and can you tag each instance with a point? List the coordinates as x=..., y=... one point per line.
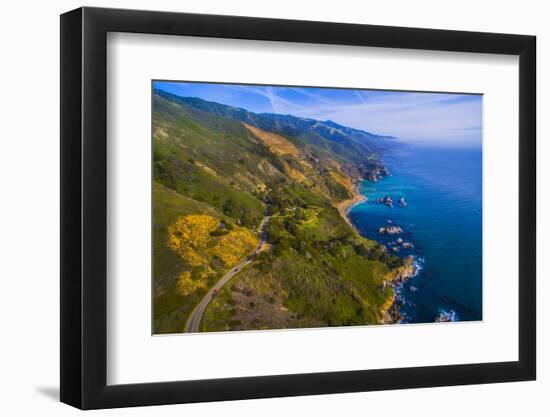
x=390, y=230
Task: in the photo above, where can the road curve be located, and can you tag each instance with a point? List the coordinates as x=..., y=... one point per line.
x=193, y=322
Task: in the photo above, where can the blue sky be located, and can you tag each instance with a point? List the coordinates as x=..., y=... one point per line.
x=430, y=118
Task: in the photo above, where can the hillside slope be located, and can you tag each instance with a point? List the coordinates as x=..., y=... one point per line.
x=218, y=171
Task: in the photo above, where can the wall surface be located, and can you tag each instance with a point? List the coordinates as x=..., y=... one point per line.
x=29, y=237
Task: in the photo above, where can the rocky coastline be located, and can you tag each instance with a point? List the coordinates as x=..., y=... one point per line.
x=396, y=278
x=390, y=311
x=375, y=174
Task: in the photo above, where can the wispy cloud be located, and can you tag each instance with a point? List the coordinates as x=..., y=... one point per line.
x=272, y=99
x=359, y=95
x=410, y=116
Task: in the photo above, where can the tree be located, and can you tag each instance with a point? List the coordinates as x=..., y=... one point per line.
x=228, y=207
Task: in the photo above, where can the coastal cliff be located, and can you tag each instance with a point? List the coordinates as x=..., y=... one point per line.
x=390, y=310
x=402, y=273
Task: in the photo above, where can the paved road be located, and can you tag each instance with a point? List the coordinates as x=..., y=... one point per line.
x=193, y=322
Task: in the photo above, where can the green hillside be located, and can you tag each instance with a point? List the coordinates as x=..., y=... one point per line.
x=218, y=171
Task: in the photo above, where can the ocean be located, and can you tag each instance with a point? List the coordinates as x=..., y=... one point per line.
x=442, y=219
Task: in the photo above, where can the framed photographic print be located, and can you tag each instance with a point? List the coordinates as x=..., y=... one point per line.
x=257, y=208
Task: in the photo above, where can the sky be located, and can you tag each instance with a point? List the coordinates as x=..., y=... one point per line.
x=423, y=118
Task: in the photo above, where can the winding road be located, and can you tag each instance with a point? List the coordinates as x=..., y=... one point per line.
x=193, y=322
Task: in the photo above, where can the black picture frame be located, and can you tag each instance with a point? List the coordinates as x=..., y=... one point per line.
x=84, y=207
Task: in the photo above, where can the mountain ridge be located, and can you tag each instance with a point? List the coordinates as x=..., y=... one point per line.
x=350, y=143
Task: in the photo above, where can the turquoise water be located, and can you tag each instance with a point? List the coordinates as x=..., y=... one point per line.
x=443, y=220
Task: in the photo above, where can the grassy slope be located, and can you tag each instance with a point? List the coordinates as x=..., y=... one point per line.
x=206, y=165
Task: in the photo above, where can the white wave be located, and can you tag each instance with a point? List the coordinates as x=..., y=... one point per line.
x=418, y=265
x=446, y=316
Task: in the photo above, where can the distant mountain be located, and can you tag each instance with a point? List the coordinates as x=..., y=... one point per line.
x=379, y=141
x=345, y=142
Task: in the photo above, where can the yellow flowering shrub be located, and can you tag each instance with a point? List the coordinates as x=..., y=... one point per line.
x=186, y=285
x=234, y=246
x=190, y=237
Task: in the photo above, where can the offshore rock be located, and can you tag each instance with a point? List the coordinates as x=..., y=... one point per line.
x=390, y=230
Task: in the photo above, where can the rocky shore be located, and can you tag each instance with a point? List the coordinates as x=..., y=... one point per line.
x=396, y=278
x=375, y=174
x=403, y=273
